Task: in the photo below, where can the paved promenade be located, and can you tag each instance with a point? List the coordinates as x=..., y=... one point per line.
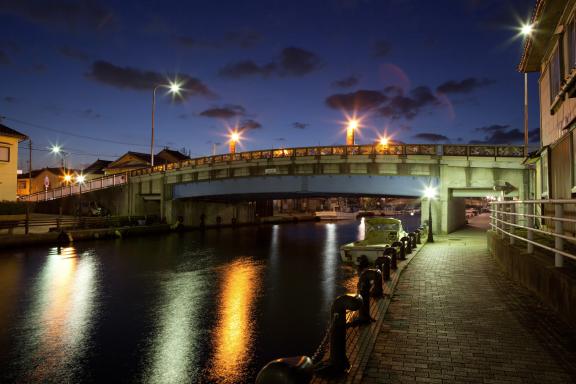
x=456, y=318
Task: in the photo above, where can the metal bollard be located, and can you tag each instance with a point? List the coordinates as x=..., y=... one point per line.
x=408, y=245
x=393, y=259
x=288, y=370
x=383, y=263
x=338, y=361
x=370, y=278
x=402, y=254
x=412, y=237
x=363, y=263
x=418, y=240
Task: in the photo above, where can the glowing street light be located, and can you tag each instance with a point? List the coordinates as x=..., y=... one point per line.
x=384, y=141
x=234, y=138
x=174, y=88
x=526, y=30
x=353, y=125
x=80, y=179
x=67, y=178
x=430, y=193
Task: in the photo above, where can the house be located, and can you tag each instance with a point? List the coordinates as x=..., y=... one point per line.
x=136, y=160
x=9, y=139
x=551, y=51
x=96, y=169
x=42, y=179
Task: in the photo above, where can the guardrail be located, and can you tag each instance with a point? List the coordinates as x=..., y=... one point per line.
x=546, y=224
x=76, y=189
x=319, y=151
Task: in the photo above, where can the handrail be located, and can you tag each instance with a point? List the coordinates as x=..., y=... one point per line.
x=504, y=216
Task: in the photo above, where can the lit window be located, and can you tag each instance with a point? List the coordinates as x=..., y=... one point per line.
x=4, y=153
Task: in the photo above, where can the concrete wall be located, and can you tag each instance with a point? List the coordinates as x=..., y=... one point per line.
x=114, y=199
x=192, y=211
x=554, y=286
x=9, y=169
x=456, y=213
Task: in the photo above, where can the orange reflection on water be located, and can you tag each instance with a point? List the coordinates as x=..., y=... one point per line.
x=233, y=337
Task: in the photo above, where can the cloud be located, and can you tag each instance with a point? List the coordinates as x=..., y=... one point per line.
x=298, y=62
x=503, y=134
x=492, y=128
x=246, y=68
x=381, y=48
x=299, y=125
x=433, y=137
x=74, y=53
x=88, y=14
x=89, y=113
x=4, y=58
x=347, y=82
x=142, y=80
x=360, y=100
x=245, y=38
x=464, y=86
x=292, y=61
x=224, y=112
x=9, y=99
x=249, y=124
x=401, y=106
x=280, y=139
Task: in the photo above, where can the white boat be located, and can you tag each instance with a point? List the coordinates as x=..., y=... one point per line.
x=335, y=215
x=379, y=234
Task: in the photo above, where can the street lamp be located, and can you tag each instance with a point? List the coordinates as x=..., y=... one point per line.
x=430, y=194
x=173, y=88
x=383, y=141
x=80, y=179
x=234, y=138
x=526, y=31
x=57, y=150
x=353, y=125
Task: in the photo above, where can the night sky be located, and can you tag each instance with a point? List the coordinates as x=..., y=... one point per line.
x=286, y=72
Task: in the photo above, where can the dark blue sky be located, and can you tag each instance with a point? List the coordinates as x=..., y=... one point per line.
x=288, y=71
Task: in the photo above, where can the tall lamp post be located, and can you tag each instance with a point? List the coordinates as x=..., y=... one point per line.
x=430, y=194
x=173, y=88
x=352, y=126
x=57, y=150
x=234, y=138
x=526, y=31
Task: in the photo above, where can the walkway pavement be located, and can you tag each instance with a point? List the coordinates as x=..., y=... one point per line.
x=456, y=318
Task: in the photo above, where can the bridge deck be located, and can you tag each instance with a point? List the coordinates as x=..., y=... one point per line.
x=455, y=317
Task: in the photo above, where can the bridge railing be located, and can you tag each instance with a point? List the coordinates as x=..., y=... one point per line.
x=75, y=189
x=547, y=224
x=344, y=150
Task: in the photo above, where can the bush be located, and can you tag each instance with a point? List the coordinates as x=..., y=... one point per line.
x=14, y=207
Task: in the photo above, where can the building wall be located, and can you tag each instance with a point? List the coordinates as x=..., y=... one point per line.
x=8, y=170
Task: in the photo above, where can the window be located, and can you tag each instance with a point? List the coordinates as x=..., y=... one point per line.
x=544, y=165
x=555, y=74
x=571, y=44
x=4, y=153
x=22, y=185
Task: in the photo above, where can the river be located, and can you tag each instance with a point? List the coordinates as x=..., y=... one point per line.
x=199, y=307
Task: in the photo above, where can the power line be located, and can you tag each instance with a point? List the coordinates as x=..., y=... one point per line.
x=71, y=153
x=72, y=134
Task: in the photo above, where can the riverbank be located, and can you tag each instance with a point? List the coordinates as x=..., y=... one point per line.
x=72, y=235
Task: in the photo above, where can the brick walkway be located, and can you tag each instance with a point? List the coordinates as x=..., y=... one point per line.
x=456, y=318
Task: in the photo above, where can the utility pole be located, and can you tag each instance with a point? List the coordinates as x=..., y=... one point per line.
x=29, y=166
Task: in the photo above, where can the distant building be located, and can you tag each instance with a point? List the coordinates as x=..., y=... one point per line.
x=137, y=160
x=96, y=169
x=9, y=140
x=42, y=179
x=551, y=50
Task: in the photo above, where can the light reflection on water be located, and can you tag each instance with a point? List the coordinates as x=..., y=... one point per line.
x=233, y=334
x=174, y=350
x=60, y=318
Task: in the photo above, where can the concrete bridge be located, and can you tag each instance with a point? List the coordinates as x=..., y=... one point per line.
x=230, y=185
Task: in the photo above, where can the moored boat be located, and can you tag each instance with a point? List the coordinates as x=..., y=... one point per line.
x=379, y=234
x=335, y=215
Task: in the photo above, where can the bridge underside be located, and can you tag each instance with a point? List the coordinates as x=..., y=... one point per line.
x=305, y=185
